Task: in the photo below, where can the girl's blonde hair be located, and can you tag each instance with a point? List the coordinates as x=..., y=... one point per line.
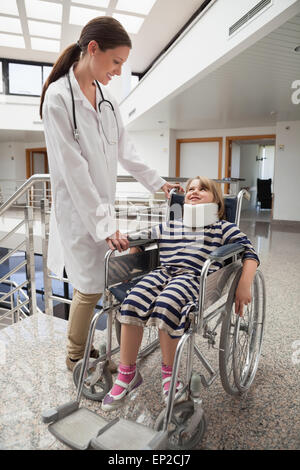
x=215, y=188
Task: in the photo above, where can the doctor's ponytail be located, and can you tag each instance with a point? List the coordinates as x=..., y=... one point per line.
x=106, y=31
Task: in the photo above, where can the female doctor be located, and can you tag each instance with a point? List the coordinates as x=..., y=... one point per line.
x=85, y=139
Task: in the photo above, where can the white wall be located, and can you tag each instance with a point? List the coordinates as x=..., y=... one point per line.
x=153, y=149
x=287, y=172
x=235, y=160
x=13, y=165
x=222, y=133
x=267, y=165
x=249, y=168
x=20, y=113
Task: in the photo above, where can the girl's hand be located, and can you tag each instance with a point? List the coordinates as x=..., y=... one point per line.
x=118, y=241
x=242, y=297
x=167, y=188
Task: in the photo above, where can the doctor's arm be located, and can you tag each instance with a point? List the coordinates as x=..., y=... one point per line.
x=67, y=158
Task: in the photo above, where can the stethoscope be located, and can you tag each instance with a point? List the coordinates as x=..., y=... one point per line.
x=102, y=102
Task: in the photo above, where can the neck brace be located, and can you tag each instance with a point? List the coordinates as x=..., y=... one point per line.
x=200, y=215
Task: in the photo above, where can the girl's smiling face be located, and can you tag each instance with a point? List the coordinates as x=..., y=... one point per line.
x=197, y=194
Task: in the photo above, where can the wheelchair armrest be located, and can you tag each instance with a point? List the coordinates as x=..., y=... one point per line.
x=227, y=251
x=140, y=242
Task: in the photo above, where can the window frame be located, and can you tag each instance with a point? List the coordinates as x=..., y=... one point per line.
x=5, y=74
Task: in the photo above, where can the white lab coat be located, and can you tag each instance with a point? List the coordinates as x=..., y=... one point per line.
x=83, y=180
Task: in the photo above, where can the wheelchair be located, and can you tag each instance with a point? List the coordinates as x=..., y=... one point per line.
x=181, y=425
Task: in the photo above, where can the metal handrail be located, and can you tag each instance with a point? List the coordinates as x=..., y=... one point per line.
x=23, y=189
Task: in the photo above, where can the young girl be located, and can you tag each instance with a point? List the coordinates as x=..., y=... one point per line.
x=161, y=298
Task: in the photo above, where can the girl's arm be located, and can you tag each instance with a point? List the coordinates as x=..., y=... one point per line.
x=232, y=234
x=243, y=292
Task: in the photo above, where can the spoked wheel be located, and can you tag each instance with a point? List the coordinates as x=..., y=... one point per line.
x=241, y=338
x=93, y=391
x=248, y=337
x=180, y=438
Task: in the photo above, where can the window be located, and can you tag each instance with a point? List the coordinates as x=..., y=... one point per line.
x=46, y=72
x=25, y=79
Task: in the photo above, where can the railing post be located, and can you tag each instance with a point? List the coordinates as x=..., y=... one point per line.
x=30, y=266
x=45, y=239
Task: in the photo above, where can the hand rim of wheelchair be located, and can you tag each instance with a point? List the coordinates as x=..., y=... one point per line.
x=185, y=411
x=92, y=392
x=237, y=378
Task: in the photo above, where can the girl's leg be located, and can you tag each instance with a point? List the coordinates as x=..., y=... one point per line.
x=128, y=377
x=168, y=347
x=131, y=338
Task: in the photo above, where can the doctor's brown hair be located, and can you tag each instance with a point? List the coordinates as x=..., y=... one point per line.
x=106, y=31
x=215, y=188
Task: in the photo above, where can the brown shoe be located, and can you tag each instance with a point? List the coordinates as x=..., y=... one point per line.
x=71, y=363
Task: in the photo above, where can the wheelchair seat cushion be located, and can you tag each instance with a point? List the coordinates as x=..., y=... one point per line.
x=122, y=290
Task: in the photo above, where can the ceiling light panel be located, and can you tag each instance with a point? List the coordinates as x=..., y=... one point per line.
x=43, y=10
x=47, y=30
x=12, y=40
x=49, y=45
x=81, y=16
x=93, y=3
x=10, y=25
x=135, y=6
x=9, y=7
x=132, y=24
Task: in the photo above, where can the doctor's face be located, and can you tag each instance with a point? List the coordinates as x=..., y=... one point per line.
x=104, y=65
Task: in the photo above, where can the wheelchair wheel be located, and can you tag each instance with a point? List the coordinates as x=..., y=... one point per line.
x=241, y=338
x=249, y=331
x=97, y=391
x=178, y=438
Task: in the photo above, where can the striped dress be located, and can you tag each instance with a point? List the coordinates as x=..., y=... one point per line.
x=163, y=297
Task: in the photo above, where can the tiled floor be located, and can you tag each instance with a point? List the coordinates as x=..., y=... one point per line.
x=33, y=376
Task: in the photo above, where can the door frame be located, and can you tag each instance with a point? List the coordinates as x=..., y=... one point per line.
x=204, y=139
x=228, y=148
x=28, y=160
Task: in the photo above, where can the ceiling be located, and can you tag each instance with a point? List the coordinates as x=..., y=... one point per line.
x=27, y=22
x=253, y=89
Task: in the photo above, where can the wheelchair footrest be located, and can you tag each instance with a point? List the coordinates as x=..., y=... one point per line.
x=122, y=434
x=78, y=428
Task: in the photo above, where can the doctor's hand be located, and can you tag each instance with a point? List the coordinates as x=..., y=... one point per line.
x=118, y=241
x=168, y=186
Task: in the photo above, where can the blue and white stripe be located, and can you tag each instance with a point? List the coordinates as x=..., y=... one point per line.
x=163, y=297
